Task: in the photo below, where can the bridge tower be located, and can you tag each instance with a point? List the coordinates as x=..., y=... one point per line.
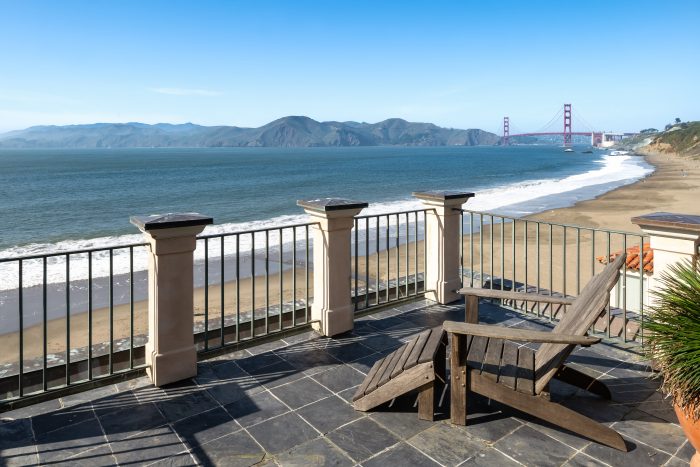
x=567, y=125
x=506, y=131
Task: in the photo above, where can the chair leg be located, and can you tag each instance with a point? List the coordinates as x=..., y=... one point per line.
x=458, y=379
x=426, y=402
x=583, y=381
x=548, y=411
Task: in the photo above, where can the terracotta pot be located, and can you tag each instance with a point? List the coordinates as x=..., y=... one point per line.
x=692, y=431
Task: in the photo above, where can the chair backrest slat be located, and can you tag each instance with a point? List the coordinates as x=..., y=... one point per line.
x=577, y=321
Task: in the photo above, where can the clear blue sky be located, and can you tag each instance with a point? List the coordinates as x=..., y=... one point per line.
x=623, y=65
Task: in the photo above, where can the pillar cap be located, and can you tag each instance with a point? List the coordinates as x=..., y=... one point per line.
x=330, y=204
x=442, y=195
x=669, y=220
x=170, y=220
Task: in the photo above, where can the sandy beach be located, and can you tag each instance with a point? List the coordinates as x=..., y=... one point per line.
x=674, y=186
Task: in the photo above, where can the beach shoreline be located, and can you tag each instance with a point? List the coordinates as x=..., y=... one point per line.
x=672, y=186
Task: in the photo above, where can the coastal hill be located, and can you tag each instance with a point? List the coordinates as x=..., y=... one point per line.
x=293, y=131
x=682, y=139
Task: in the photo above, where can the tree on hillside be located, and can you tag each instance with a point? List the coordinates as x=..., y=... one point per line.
x=678, y=120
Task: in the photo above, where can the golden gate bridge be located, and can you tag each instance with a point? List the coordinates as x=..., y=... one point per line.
x=563, y=117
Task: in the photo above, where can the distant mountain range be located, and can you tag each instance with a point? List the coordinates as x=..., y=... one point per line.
x=294, y=131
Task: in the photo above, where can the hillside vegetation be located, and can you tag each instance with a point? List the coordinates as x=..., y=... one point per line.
x=682, y=139
x=294, y=131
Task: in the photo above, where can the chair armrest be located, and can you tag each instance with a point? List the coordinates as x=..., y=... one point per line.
x=508, y=295
x=514, y=334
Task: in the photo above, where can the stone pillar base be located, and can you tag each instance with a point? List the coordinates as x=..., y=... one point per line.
x=334, y=322
x=173, y=366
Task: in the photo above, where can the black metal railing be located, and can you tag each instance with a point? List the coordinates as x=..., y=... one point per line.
x=70, y=318
x=509, y=253
x=388, y=257
x=253, y=283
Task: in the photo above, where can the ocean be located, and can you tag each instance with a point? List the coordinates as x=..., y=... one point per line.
x=62, y=200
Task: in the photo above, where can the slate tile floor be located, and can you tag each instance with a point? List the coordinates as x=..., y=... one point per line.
x=288, y=403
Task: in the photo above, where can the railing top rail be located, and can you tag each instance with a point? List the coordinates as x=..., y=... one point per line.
x=71, y=252
x=572, y=226
x=255, y=231
x=381, y=214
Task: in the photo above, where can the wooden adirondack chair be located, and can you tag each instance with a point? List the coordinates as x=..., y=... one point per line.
x=485, y=359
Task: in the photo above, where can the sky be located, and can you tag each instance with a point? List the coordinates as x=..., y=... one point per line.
x=623, y=66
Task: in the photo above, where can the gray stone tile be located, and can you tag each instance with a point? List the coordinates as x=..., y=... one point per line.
x=86, y=397
x=362, y=439
x=638, y=455
x=135, y=383
x=250, y=364
x=61, y=418
x=491, y=458
x=382, y=342
x=182, y=405
x=315, y=453
x=97, y=457
x=402, y=454
x=282, y=433
x=490, y=426
x=339, y=378
x=401, y=418
x=448, y=444
x=306, y=336
x=348, y=352
x=364, y=364
x=114, y=402
x=129, y=421
x=17, y=442
x=256, y=408
x=583, y=460
x=149, y=446
x=60, y=444
x=676, y=462
x=237, y=449
x=267, y=346
x=231, y=390
x=329, y=413
x=308, y=359
x=650, y=430
x=206, y=426
x=594, y=407
x=301, y=392
x=277, y=374
x=685, y=452
x=530, y=447
x=182, y=459
x=34, y=409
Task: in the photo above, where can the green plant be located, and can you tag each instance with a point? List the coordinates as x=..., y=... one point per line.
x=674, y=339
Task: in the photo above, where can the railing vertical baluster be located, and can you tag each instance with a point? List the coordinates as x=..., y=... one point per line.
x=111, y=311
x=491, y=274
x=44, y=291
x=525, y=258
x=481, y=250
x=90, y=304
x=376, y=295
x=388, y=260
x=306, y=272
x=624, y=288
x=415, y=253
x=222, y=291
x=551, y=270
x=471, y=249
x=20, y=306
x=131, y=307
x=366, y=262
x=608, y=308
x=281, y=245
x=252, y=284
x=206, y=293
x=238, y=288
x=503, y=253
x=512, y=242
x=563, y=261
x=425, y=248
x=407, y=256
x=461, y=246
x=67, y=319
x=641, y=287
x=294, y=276
x=538, y=254
x=267, y=278
x=578, y=261
x=397, y=244
x=355, y=248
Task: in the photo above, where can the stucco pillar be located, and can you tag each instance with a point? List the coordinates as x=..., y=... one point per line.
x=673, y=237
x=170, y=352
x=332, y=307
x=442, y=240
